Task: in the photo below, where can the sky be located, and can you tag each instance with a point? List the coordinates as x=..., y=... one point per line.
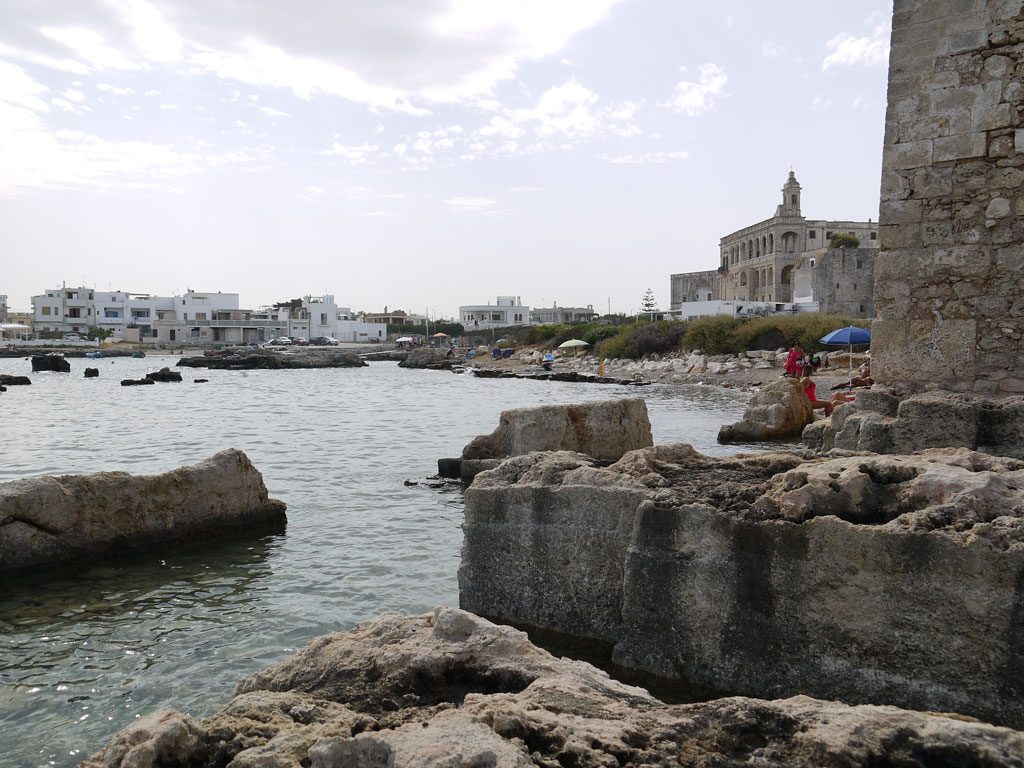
x=422, y=154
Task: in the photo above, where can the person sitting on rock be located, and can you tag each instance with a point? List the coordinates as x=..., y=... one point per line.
x=862, y=379
x=808, y=386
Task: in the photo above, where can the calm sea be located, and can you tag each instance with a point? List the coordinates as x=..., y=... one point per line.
x=82, y=655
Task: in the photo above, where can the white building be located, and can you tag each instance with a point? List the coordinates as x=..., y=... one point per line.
x=556, y=314
x=194, y=317
x=509, y=310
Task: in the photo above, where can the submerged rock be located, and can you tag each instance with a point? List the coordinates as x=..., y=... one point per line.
x=451, y=689
x=72, y=517
x=14, y=381
x=92, y=373
x=776, y=412
x=55, y=363
x=264, y=359
x=136, y=382
x=843, y=578
x=164, y=374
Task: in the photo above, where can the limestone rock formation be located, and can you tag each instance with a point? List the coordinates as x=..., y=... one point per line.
x=777, y=411
x=164, y=374
x=603, y=429
x=136, y=382
x=72, y=517
x=55, y=363
x=12, y=381
x=771, y=574
x=428, y=357
x=888, y=421
x=265, y=359
x=451, y=689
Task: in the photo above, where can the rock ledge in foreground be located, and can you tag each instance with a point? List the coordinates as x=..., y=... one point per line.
x=49, y=520
x=451, y=689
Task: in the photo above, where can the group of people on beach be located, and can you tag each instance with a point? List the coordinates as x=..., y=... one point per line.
x=799, y=365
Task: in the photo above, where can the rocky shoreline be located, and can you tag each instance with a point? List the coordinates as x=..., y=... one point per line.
x=451, y=689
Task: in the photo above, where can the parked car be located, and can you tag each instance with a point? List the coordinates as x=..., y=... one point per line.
x=300, y=341
x=284, y=341
x=72, y=337
x=325, y=341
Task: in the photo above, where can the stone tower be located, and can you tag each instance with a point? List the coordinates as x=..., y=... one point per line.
x=950, y=275
x=790, y=197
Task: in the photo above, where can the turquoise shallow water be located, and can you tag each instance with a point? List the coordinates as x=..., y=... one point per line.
x=83, y=653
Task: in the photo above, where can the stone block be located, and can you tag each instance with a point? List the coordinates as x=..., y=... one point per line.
x=923, y=128
x=960, y=147
x=907, y=155
x=895, y=186
x=990, y=118
x=932, y=182
x=901, y=211
x=892, y=236
x=972, y=39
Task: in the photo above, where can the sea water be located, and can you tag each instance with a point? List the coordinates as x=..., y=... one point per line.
x=83, y=653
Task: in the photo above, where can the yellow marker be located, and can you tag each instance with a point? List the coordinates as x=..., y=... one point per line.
x=600, y=371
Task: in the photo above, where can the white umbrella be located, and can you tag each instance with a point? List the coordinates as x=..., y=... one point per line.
x=405, y=338
x=573, y=343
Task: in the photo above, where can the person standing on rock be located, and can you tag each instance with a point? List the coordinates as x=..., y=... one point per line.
x=795, y=360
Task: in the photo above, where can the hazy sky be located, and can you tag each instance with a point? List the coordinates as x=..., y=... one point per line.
x=422, y=153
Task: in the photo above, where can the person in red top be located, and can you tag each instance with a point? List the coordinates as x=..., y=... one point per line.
x=808, y=386
x=794, y=360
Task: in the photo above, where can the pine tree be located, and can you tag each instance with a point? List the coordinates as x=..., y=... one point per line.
x=647, y=303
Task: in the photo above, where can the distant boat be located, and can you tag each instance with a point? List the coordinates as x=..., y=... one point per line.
x=95, y=355
x=138, y=354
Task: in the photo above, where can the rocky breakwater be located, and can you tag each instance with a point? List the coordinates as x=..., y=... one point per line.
x=451, y=689
x=50, y=520
x=870, y=579
x=603, y=430
x=431, y=358
x=778, y=411
x=264, y=359
x=891, y=420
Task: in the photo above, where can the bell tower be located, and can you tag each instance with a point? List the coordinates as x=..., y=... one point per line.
x=790, y=197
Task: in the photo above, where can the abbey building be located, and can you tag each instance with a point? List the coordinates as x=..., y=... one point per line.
x=759, y=265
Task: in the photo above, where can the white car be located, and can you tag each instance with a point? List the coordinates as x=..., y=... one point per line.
x=284, y=341
x=72, y=337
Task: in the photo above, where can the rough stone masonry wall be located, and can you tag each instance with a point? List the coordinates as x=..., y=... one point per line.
x=949, y=287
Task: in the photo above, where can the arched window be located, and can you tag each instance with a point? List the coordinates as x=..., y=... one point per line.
x=786, y=274
x=743, y=278
x=764, y=244
x=771, y=276
x=792, y=199
x=771, y=242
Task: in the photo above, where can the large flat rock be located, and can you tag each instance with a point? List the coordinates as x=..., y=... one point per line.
x=874, y=579
x=451, y=689
x=50, y=520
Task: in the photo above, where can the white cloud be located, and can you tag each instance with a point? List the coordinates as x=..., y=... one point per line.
x=115, y=90
x=356, y=153
x=18, y=89
x=270, y=112
x=871, y=50
x=697, y=98
x=92, y=50
x=648, y=158
x=772, y=50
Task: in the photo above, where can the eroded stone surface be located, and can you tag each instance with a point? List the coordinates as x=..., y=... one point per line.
x=451, y=689
x=603, y=429
x=770, y=574
x=776, y=412
x=71, y=517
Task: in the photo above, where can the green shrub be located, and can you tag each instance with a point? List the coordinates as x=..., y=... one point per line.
x=633, y=341
x=712, y=335
x=840, y=240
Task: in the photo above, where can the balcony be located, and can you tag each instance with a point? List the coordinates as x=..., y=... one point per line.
x=223, y=323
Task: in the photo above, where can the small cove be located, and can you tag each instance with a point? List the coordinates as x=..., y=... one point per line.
x=85, y=652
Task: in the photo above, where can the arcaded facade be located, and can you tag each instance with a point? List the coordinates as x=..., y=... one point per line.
x=757, y=261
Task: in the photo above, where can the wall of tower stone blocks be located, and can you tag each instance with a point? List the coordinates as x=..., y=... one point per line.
x=949, y=281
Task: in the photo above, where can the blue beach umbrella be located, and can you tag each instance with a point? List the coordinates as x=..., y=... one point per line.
x=848, y=336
